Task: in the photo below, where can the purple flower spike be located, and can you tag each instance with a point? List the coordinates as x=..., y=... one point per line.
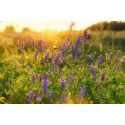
x=45, y=85
x=89, y=59
x=73, y=51
x=30, y=96
x=39, y=96
x=63, y=49
x=79, y=53
x=57, y=58
x=35, y=55
x=85, y=35
x=50, y=96
x=100, y=58
x=46, y=76
x=70, y=78
x=62, y=98
x=82, y=92
x=77, y=43
x=21, y=46
x=46, y=57
x=93, y=72
x=63, y=60
x=62, y=83
x=42, y=44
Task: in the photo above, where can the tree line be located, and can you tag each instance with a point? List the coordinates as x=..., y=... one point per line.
x=112, y=25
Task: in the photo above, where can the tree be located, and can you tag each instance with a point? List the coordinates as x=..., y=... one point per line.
x=9, y=30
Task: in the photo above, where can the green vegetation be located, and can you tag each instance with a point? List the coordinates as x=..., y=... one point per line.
x=62, y=67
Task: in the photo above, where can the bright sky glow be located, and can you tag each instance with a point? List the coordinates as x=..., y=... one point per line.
x=89, y=11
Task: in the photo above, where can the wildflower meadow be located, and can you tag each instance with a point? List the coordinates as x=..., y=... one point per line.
x=70, y=69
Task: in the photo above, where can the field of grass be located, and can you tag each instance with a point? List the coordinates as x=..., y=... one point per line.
x=62, y=67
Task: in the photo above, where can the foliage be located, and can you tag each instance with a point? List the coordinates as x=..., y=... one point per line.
x=38, y=69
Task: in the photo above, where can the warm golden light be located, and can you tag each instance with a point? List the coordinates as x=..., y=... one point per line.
x=42, y=25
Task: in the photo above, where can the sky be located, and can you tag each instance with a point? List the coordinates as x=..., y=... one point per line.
x=83, y=12
x=43, y=25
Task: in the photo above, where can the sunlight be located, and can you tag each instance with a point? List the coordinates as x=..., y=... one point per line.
x=43, y=25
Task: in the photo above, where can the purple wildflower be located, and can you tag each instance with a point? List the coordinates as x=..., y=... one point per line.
x=79, y=53
x=63, y=48
x=45, y=85
x=41, y=43
x=39, y=96
x=46, y=76
x=57, y=58
x=62, y=83
x=100, y=58
x=21, y=46
x=30, y=96
x=63, y=97
x=70, y=78
x=85, y=35
x=77, y=43
x=73, y=51
x=93, y=72
x=50, y=96
x=82, y=92
x=46, y=57
x=36, y=54
x=63, y=60
x=89, y=59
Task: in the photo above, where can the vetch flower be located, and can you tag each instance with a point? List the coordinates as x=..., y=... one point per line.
x=45, y=85
x=46, y=57
x=73, y=51
x=21, y=46
x=63, y=48
x=50, y=96
x=89, y=59
x=77, y=43
x=100, y=58
x=62, y=83
x=36, y=54
x=79, y=53
x=82, y=92
x=42, y=44
x=93, y=72
x=57, y=58
x=70, y=78
x=46, y=76
x=63, y=60
x=39, y=96
x=30, y=96
x=63, y=97
x=85, y=36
